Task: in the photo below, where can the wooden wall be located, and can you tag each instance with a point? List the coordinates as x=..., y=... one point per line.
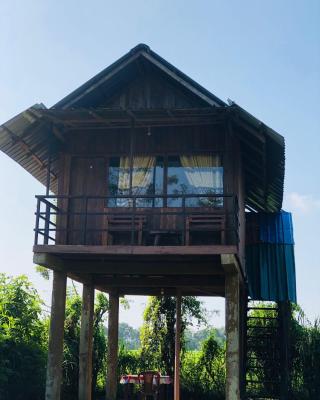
x=85, y=155
x=164, y=140
x=151, y=89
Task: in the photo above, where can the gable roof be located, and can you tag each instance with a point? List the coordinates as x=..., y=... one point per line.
x=29, y=137
x=127, y=66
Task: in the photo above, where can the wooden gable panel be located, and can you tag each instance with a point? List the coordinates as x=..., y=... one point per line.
x=154, y=91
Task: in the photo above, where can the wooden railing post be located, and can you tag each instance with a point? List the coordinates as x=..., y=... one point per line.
x=36, y=233
x=47, y=224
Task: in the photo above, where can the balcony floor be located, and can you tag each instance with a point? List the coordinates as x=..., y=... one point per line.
x=141, y=270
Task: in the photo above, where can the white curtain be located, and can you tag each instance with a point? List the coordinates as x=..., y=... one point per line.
x=124, y=176
x=142, y=176
x=204, y=172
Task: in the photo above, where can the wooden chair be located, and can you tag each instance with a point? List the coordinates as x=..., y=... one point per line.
x=150, y=382
x=206, y=223
x=122, y=223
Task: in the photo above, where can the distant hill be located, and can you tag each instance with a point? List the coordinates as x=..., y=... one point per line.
x=130, y=336
x=195, y=338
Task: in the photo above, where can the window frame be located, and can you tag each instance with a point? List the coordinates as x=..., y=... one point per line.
x=165, y=158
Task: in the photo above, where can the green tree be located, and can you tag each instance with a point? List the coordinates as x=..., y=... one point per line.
x=305, y=355
x=158, y=330
x=304, y=352
x=194, y=339
x=129, y=336
x=99, y=342
x=72, y=341
x=203, y=371
x=71, y=345
x=23, y=339
x=213, y=360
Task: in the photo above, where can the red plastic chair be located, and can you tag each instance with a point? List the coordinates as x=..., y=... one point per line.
x=150, y=382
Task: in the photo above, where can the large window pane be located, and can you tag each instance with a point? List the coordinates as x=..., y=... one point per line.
x=145, y=178
x=142, y=179
x=195, y=174
x=200, y=174
x=118, y=180
x=177, y=182
x=158, y=181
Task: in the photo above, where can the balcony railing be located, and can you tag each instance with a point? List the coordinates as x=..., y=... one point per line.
x=145, y=220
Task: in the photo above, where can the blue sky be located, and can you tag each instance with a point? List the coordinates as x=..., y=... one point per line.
x=265, y=55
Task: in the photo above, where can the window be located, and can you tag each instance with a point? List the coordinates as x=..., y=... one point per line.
x=143, y=179
x=197, y=174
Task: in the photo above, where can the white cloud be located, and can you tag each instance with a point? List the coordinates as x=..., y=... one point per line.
x=301, y=203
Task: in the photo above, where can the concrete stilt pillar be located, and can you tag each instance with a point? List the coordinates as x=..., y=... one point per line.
x=177, y=348
x=86, y=341
x=55, y=350
x=232, y=293
x=112, y=360
x=285, y=364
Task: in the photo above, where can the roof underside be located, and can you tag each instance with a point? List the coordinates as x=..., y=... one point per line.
x=29, y=137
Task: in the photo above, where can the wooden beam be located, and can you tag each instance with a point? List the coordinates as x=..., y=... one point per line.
x=58, y=134
x=187, y=291
x=98, y=117
x=86, y=343
x=49, y=261
x=177, y=346
x=80, y=126
x=143, y=268
x=112, y=357
x=164, y=281
x=136, y=250
x=128, y=265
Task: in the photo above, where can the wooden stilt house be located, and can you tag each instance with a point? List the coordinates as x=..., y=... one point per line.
x=148, y=179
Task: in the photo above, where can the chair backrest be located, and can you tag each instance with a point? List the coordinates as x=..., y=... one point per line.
x=150, y=381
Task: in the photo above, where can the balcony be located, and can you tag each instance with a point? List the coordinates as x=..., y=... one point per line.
x=147, y=220
x=139, y=244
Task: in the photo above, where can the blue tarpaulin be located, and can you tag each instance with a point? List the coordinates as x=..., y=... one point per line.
x=270, y=263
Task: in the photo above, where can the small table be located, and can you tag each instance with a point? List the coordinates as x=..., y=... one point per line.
x=173, y=236
x=131, y=379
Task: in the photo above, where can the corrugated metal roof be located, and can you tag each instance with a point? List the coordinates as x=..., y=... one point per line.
x=27, y=143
